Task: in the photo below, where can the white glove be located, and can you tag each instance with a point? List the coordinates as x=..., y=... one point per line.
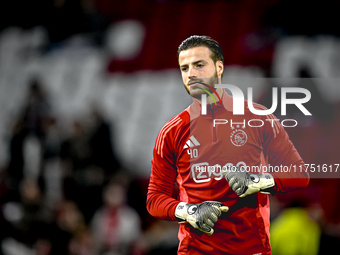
x=202, y=216
x=244, y=183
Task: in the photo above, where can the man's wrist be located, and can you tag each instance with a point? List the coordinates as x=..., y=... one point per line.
x=267, y=183
x=263, y=183
x=181, y=212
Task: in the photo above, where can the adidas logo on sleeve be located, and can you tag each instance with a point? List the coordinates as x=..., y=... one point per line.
x=192, y=142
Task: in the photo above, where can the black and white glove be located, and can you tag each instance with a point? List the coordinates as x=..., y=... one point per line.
x=244, y=183
x=202, y=216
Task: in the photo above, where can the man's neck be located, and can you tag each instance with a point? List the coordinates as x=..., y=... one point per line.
x=211, y=100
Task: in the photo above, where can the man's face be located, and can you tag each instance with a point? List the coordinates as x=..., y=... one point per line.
x=197, y=66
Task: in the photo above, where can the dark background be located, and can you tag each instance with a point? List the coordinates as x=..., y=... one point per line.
x=85, y=86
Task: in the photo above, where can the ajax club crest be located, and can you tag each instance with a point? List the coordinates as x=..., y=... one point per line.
x=238, y=137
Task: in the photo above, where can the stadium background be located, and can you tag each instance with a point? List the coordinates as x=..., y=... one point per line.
x=85, y=86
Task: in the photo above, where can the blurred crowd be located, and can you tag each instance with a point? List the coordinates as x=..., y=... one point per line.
x=67, y=193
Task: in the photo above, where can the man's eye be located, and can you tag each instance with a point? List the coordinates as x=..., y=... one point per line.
x=199, y=65
x=183, y=69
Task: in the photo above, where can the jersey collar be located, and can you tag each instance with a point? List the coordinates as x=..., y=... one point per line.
x=195, y=108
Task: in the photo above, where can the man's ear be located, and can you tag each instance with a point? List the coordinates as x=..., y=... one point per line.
x=219, y=68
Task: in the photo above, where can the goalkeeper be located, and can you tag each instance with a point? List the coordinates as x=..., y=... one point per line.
x=224, y=210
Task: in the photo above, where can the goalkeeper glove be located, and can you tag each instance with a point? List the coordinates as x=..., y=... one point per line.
x=202, y=216
x=244, y=183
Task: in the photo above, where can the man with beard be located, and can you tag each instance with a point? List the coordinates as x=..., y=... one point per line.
x=225, y=204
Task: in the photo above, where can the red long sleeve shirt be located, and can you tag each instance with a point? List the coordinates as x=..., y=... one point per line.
x=192, y=151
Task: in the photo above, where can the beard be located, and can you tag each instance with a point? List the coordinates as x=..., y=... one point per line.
x=196, y=89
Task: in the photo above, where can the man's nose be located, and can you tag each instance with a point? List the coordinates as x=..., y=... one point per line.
x=192, y=72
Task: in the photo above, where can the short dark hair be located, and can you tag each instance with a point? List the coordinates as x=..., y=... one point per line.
x=202, y=40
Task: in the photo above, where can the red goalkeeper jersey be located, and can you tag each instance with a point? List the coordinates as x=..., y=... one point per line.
x=193, y=149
